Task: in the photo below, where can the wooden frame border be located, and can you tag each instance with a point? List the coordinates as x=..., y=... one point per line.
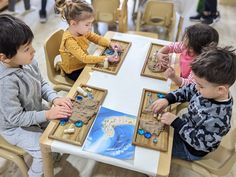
x=152, y=74
x=85, y=129
x=96, y=67
x=164, y=134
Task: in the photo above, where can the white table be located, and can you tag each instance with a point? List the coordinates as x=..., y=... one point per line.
x=124, y=95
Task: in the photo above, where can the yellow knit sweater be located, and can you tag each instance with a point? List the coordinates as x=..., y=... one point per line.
x=74, y=53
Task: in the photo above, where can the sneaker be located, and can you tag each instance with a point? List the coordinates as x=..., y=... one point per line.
x=216, y=16
x=211, y=19
x=208, y=20
x=196, y=18
x=42, y=16
x=14, y=13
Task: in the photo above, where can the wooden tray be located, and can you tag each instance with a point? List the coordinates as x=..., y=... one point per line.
x=145, y=70
x=114, y=67
x=78, y=137
x=140, y=140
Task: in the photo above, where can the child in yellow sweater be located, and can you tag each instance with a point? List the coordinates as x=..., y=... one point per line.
x=75, y=41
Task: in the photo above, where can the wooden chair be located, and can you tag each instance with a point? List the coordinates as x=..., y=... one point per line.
x=51, y=49
x=179, y=28
x=156, y=13
x=111, y=12
x=218, y=163
x=14, y=154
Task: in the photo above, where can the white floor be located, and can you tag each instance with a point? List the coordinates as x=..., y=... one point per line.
x=73, y=166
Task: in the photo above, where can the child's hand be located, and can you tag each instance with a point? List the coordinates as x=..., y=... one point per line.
x=159, y=105
x=163, y=58
x=66, y=102
x=115, y=46
x=113, y=59
x=170, y=73
x=167, y=118
x=58, y=112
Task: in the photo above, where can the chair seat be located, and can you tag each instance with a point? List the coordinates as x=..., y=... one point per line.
x=216, y=160
x=63, y=80
x=5, y=145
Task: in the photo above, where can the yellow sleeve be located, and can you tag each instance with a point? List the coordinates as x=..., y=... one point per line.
x=72, y=46
x=93, y=37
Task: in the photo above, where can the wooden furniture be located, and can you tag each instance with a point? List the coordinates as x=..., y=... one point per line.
x=156, y=13
x=14, y=154
x=113, y=68
x=158, y=139
x=80, y=133
x=147, y=72
x=124, y=94
x=112, y=12
x=51, y=50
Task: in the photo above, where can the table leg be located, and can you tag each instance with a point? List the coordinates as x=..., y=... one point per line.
x=47, y=161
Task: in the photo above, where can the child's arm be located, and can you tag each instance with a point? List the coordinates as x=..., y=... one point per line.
x=183, y=94
x=179, y=81
x=186, y=81
x=72, y=46
x=206, y=133
x=97, y=39
x=18, y=116
x=170, y=73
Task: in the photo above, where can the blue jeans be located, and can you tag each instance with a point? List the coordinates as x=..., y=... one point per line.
x=180, y=151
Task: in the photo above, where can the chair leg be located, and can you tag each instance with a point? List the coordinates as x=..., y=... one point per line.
x=18, y=160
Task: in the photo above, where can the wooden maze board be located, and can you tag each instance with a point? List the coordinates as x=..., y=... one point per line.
x=145, y=70
x=78, y=137
x=114, y=67
x=140, y=140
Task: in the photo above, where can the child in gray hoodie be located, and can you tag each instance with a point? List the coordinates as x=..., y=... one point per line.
x=22, y=89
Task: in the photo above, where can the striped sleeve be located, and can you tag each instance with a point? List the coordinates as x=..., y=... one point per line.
x=176, y=47
x=186, y=81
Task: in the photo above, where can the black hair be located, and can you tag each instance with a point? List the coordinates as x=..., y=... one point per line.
x=216, y=65
x=13, y=34
x=200, y=36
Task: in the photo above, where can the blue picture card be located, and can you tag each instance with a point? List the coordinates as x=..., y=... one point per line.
x=111, y=134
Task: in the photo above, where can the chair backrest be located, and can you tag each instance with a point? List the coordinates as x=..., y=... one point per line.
x=111, y=11
x=105, y=10
x=179, y=28
x=158, y=12
x=14, y=154
x=51, y=49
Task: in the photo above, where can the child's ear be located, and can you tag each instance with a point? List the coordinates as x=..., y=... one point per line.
x=73, y=22
x=223, y=89
x=3, y=58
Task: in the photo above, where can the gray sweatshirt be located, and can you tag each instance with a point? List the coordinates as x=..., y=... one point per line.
x=21, y=93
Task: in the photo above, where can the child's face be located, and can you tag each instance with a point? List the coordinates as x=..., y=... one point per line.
x=24, y=56
x=208, y=90
x=84, y=26
x=186, y=45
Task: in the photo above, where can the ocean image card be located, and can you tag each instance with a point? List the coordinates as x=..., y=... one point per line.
x=111, y=134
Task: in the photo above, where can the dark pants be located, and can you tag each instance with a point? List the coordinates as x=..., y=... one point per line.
x=43, y=6
x=74, y=75
x=180, y=151
x=211, y=6
x=11, y=5
x=200, y=6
